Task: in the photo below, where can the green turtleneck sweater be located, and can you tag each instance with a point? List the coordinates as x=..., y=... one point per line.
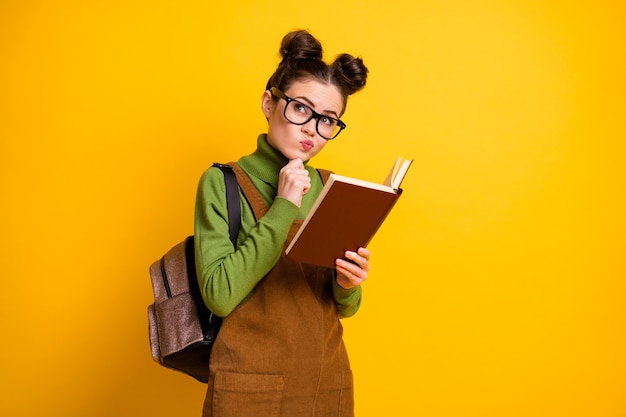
x=228, y=276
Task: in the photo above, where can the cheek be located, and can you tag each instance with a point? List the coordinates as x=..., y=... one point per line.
x=273, y=120
x=278, y=126
x=321, y=143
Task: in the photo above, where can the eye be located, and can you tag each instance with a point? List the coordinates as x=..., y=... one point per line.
x=301, y=108
x=328, y=121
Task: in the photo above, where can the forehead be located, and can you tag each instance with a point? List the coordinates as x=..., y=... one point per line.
x=321, y=96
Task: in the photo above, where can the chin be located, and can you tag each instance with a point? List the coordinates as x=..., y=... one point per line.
x=298, y=154
x=305, y=156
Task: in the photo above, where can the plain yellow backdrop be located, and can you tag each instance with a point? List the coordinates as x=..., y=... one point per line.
x=497, y=286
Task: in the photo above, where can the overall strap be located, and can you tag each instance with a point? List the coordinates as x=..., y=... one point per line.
x=325, y=174
x=249, y=190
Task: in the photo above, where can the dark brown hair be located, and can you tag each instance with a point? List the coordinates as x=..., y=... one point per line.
x=302, y=59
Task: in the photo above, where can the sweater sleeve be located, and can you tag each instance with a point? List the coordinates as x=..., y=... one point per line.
x=227, y=276
x=347, y=301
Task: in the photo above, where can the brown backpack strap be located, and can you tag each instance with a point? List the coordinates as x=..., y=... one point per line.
x=250, y=192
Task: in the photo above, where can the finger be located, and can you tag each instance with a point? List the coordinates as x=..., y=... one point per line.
x=362, y=262
x=295, y=163
x=351, y=270
x=347, y=279
x=364, y=252
x=295, y=168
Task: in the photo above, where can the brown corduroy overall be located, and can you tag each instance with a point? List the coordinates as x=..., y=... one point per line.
x=280, y=353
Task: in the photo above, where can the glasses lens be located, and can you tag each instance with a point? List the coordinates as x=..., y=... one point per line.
x=327, y=127
x=298, y=113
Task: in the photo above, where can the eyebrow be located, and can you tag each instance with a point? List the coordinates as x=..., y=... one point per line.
x=311, y=105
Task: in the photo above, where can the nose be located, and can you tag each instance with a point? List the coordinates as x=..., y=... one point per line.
x=310, y=127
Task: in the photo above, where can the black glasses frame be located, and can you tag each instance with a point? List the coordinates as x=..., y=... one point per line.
x=314, y=115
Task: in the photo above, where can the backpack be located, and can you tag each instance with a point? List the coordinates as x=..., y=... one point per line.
x=182, y=329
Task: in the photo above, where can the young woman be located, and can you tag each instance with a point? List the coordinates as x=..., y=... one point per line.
x=280, y=350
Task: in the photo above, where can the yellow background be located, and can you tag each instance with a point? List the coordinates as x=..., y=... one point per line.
x=497, y=286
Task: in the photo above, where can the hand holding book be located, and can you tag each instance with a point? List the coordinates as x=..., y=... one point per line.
x=346, y=216
x=352, y=270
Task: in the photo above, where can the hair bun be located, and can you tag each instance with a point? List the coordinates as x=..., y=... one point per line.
x=351, y=72
x=300, y=44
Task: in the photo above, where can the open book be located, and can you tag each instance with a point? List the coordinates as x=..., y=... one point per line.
x=346, y=215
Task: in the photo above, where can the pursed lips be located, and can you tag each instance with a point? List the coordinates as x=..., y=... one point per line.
x=307, y=145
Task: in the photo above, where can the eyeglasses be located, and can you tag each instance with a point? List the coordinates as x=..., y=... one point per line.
x=299, y=113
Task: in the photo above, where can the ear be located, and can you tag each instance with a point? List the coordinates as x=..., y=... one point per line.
x=266, y=103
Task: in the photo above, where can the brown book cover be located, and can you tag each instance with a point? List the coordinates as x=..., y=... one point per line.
x=346, y=216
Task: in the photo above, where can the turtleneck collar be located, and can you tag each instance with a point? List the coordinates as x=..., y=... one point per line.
x=265, y=162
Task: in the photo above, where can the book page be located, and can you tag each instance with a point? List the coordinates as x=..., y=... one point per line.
x=362, y=183
x=401, y=173
x=389, y=180
x=397, y=173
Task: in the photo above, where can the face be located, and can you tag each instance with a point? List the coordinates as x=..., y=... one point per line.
x=300, y=141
